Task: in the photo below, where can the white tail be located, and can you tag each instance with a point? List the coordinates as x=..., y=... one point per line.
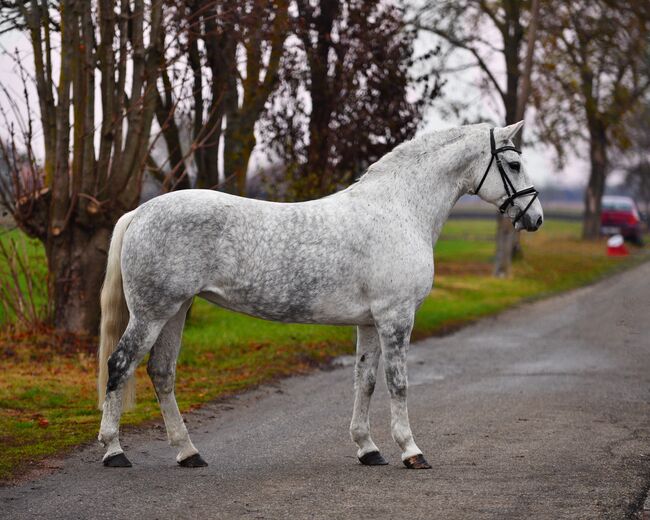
x=115, y=314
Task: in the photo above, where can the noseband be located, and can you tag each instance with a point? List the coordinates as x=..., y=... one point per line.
x=511, y=191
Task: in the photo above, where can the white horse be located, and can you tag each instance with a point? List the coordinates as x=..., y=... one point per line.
x=363, y=256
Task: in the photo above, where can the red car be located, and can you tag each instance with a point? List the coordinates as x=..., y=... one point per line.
x=620, y=215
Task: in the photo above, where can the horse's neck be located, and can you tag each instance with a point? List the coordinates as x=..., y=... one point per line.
x=427, y=185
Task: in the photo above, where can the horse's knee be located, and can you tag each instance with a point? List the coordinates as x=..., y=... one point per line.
x=398, y=390
x=365, y=380
x=370, y=384
x=396, y=381
x=365, y=374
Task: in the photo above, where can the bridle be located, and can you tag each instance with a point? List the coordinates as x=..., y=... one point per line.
x=511, y=191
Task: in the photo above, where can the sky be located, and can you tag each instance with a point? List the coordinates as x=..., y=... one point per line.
x=537, y=157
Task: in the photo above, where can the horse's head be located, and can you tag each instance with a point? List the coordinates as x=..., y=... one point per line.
x=504, y=182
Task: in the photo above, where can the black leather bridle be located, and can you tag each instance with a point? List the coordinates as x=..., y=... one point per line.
x=511, y=191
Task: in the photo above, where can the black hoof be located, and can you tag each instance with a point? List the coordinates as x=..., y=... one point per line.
x=373, y=458
x=417, y=462
x=195, y=461
x=117, y=461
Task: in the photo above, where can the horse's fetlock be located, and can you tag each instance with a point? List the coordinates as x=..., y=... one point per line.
x=177, y=436
x=359, y=433
x=106, y=435
x=402, y=435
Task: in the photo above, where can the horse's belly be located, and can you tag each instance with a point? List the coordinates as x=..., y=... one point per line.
x=330, y=309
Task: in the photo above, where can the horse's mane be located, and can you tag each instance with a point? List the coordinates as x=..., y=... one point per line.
x=418, y=148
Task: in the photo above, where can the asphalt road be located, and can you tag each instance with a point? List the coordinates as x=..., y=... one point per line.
x=541, y=412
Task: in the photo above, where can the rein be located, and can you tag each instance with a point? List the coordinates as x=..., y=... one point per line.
x=511, y=191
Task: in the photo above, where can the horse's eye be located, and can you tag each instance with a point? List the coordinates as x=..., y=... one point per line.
x=515, y=166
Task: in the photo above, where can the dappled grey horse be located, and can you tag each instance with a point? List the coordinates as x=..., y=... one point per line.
x=363, y=256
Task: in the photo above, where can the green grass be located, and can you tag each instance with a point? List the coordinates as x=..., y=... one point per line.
x=47, y=399
x=14, y=245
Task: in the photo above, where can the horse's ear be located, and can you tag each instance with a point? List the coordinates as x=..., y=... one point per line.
x=511, y=131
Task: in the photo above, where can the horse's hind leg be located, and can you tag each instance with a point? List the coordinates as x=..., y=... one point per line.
x=365, y=376
x=137, y=340
x=162, y=371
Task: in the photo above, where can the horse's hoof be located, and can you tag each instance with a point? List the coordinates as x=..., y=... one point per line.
x=194, y=461
x=118, y=460
x=417, y=462
x=373, y=458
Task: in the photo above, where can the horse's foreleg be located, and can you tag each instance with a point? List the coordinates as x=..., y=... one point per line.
x=365, y=375
x=394, y=338
x=162, y=371
x=136, y=341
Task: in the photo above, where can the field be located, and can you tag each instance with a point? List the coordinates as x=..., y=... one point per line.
x=47, y=385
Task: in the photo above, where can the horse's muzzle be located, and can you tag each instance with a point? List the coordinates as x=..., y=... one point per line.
x=532, y=222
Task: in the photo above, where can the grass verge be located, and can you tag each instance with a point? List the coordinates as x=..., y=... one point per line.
x=47, y=388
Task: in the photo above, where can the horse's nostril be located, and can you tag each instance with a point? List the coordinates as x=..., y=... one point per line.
x=539, y=221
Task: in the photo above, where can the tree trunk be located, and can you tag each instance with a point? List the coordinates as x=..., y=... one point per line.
x=507, y=244
x=504, y=246
x=596, y=186
x=239, y=141
x=76, y=263
x=316, y=180
x=516, y=99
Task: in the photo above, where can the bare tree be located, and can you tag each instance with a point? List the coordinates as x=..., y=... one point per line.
x=233, y=49
x=71, y=199
x=342, y=102
x=263, y=29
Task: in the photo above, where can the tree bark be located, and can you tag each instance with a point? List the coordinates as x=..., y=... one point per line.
x=317, y=180
x=239, y=141
x=165, y=108
x=512, y=35
x=596, y=186
x=243, y=111
x=220, y=52
x=505, y=237
x=76, y=262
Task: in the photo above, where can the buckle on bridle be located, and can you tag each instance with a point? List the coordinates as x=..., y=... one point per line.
x=509, y=187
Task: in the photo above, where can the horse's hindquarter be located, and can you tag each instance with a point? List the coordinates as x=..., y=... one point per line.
x=318, y=262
